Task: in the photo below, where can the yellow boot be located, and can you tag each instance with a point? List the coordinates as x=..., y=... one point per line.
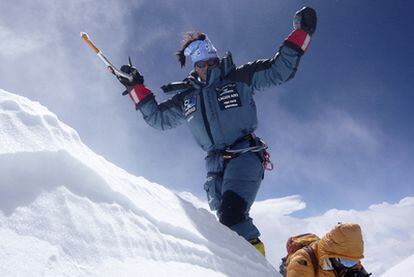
x=259, y=245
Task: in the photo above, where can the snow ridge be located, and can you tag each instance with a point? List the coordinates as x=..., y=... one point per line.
x=65, y=211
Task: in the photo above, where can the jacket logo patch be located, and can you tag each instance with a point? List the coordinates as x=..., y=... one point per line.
x=190, y=105
x=228, y=97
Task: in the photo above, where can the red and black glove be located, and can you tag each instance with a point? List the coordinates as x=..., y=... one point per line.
x=135, y=88
x=304, y=25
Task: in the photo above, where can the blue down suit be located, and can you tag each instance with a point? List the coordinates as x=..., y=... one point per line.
x=221, y=113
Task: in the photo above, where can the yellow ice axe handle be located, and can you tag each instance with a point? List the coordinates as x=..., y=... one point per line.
x=98, y=52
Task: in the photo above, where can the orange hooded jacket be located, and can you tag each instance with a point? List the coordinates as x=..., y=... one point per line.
x=344, y=241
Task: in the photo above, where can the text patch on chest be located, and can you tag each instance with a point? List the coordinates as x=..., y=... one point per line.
x=228, y=97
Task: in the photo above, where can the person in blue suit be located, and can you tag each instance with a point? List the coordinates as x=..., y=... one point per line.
x=216, y=101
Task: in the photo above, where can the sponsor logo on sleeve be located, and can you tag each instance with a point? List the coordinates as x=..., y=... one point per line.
x=190, y=105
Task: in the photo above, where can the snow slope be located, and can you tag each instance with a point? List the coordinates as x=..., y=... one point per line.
x=405, y=268
x=65, y=211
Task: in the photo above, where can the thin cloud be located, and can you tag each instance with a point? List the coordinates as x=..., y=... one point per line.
x=13, y=44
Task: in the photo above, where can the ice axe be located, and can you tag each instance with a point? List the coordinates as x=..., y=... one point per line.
x=99, y=53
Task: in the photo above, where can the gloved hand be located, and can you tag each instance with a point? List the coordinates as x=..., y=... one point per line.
x=137, y=78
x=305, y=19
x=304, y=25
x=135, y=88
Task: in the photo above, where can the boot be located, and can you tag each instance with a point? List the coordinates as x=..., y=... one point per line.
x=259, y=245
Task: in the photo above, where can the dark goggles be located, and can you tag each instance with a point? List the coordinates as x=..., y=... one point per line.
x=346, y=263
x=349, y=268
x=204, y=63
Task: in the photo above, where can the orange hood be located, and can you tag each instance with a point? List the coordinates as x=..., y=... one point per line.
x=343, y=241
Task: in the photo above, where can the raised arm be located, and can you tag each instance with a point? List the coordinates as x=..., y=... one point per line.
x=261, y=74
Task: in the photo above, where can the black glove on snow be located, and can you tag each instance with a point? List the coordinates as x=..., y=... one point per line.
x=137, y=78
x=306, y=20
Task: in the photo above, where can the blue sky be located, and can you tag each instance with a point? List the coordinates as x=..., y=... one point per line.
x=340, y=133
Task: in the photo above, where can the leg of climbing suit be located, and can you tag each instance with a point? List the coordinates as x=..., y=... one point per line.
x=215, y=168
x=241, y=181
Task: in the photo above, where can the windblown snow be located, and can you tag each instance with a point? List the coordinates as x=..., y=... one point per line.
x=66, y=211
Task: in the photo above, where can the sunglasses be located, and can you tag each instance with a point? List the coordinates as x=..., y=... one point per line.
x=345, y=263
x=204, y=63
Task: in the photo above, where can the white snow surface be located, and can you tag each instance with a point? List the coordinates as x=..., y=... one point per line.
x=66, y=211
x=404, y=268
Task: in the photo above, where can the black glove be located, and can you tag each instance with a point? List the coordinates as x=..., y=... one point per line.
x=306, y=20
x=137, y=78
